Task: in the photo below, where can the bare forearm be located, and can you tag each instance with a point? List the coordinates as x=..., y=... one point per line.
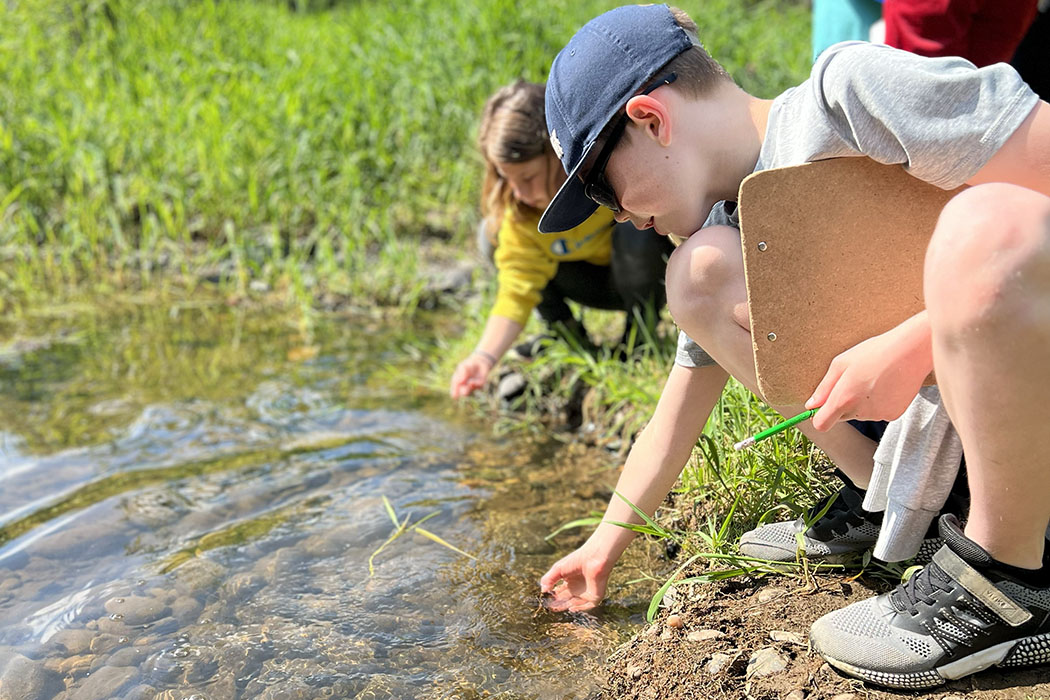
x=661, y=451
x=499, y=334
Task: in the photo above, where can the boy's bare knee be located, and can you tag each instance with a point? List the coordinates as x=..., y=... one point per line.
x=704, y=274
x=988, y=263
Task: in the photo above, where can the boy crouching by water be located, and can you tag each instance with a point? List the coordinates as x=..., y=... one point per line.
x=647, y=124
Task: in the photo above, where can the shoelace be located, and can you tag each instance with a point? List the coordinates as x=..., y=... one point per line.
x=948, y=629
x=920, y=588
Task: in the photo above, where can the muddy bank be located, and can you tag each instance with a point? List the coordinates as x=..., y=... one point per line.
x=747, y=638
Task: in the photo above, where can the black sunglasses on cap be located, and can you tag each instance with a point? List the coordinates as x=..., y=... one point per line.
x=595, y=186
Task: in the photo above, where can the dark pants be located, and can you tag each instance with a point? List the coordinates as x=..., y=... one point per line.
x=632, y=282
x=1032, y=59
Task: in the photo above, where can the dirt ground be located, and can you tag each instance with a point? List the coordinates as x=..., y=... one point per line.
x=746, y=639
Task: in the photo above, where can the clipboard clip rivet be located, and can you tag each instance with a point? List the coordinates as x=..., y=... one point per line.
x=762, y=245
x=772, y=337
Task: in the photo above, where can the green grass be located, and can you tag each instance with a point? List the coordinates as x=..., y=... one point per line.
x=152, y=142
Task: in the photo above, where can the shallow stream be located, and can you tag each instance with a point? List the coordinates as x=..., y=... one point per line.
x=191, y=494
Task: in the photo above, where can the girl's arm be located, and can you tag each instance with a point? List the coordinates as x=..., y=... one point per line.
x=497, y=338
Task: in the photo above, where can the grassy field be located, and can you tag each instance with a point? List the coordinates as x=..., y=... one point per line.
x=318, y=147
x=309, y=148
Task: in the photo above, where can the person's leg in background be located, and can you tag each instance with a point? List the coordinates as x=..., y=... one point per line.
x=842, y=20
x=981, y=31
x=639, y=264
x=1032, y=59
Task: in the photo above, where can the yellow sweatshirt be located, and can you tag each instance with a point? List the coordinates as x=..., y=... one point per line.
x=526, y=260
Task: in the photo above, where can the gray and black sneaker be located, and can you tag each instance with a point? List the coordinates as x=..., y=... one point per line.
x=841, y=533
x=959, y=615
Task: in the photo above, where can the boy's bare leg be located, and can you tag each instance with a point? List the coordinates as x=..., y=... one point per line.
x=708, y=300
x=987, y=289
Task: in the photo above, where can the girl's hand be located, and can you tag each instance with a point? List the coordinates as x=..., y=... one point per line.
x=470, y=375
x=583, y=575
x=876, y=379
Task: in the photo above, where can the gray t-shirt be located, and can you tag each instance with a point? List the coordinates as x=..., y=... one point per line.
x=941, y=118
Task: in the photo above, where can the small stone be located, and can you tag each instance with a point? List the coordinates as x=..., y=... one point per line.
x=675, y=621
x=198, y=575
x=787, y=637
x=22, y=678
x=102, y=643
x=137, y=610
x=845, y=696
x=796, y=695
x=718, y=663
x=704, y=635
x=651, y=631
x=73, y=642
x=666, y=634
x=765, y=662
x=186, y=609
x=105, y=683
x=635, y=670
x=768, y=594
x=128, y=656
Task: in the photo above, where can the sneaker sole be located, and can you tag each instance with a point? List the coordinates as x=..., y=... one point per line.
x=1027, y=651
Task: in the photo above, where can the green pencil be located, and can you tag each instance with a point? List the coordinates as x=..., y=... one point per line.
x=779, y=427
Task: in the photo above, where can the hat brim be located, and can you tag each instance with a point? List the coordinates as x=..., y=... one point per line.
x=570, y=206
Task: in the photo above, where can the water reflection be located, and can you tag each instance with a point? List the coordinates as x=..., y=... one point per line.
x=189, y=501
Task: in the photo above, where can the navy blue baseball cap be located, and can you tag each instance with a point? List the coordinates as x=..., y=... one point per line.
x=591, y=79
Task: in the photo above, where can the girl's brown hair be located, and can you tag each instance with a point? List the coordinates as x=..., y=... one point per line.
x=513, y=130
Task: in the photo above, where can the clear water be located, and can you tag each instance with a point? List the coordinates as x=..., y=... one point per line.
x=190, y=496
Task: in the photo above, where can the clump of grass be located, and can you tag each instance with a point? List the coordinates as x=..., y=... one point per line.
x=404, y=527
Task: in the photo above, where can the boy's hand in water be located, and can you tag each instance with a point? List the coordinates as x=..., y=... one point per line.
x=470, y=375
x=876, y=379
x=583, y=576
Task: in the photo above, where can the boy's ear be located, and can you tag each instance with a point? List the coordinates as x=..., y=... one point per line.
x=653, y=115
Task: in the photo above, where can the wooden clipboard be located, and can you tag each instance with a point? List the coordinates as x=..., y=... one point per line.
x=833, y=255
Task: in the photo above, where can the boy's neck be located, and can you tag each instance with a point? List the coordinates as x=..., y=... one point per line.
x=739, y=128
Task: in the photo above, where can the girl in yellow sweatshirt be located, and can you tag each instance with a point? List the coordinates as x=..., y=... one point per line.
x=599, y=263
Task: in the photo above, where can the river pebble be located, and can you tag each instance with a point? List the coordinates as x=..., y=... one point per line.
x=146, y=692
x=198, y=575
x=22, y=678
x=128, y=656
x=105, y=683
x=186, y=609
x=137, y=610
x=72, y=641
x=242, y=586
x=71, y=666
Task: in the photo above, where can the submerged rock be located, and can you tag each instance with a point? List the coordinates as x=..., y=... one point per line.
x=22, y=678
x=137, y=610
x=105, y=683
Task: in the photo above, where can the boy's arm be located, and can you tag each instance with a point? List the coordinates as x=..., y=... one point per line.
x=1025, y=157
x=878, y=378
x=654, y=463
